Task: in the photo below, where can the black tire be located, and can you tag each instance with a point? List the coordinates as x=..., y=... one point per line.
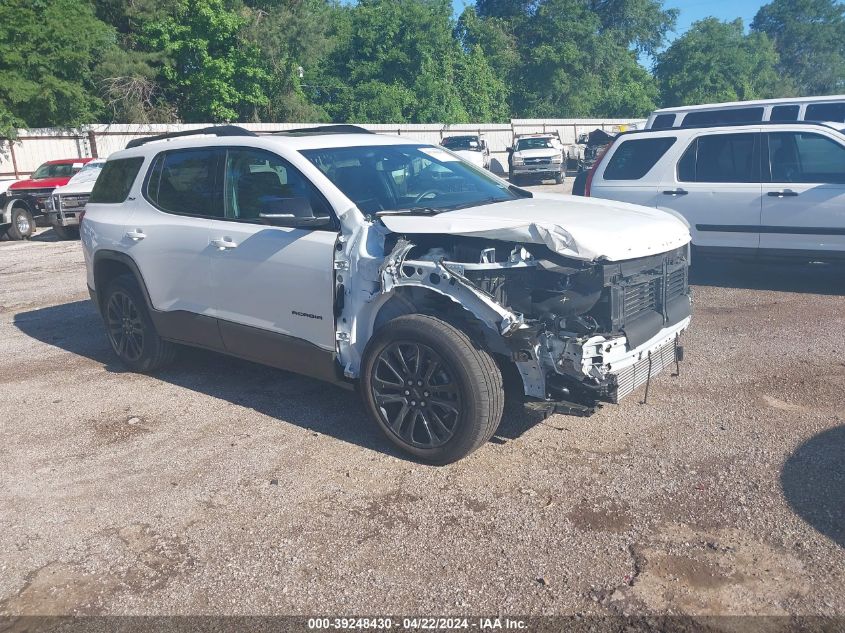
x=462, y=383
x=23, y=225
x=66, y=232
x=130, y=329
x=559, y=178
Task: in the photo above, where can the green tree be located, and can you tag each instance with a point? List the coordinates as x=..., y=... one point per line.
x=809, y=36
x=402, y=50
x=293, y=37
x=715, y=61
x=210, y=72
x=48, y=52
x=569, y=58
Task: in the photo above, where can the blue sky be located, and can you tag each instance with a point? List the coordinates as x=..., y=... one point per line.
x=691, y=11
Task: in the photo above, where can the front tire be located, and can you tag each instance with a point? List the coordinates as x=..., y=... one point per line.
x=559, y=178
x=23, y=226
x=130, y=329
x=432, y=391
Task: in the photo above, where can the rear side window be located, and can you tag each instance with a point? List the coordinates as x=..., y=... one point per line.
x=785, y=113
x=187, y=182
x=634, y=158
x=809, y=158
x=115, y=181
x=717, y=117
x=825, y=112
x=663, y=122
x=721, y=158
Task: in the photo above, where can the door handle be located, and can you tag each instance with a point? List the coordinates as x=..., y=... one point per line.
x=224, y=244
x=785, y=193
x=675, y=192
x=136, y=235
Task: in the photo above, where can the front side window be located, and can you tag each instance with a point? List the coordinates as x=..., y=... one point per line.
x=416, y=178
x=663, y=122
x=115, y=180
x=260, y=183
x=634, y=158
x=186, y=182
x=62, y=170
x=721, y=158
x=802, y=157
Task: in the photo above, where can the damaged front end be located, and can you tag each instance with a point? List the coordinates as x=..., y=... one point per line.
x=579, y=332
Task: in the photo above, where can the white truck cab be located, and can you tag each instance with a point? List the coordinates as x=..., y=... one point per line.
x=387, y=264
x=67, y=203
x=536, y=156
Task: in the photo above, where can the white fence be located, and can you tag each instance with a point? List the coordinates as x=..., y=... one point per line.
x=21, y=157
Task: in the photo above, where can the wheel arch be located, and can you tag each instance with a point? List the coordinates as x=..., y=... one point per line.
x=110, y=264
x=420, y=300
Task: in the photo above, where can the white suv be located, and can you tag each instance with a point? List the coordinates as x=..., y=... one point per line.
x=384, y=263
x=766, y=189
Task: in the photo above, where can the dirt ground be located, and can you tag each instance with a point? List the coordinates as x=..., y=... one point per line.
x=223, y=487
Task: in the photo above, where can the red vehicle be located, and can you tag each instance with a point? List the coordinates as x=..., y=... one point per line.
x=24, y=201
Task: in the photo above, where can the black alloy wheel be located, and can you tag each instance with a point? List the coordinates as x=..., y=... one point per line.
x=418, y=398
x=125, y=326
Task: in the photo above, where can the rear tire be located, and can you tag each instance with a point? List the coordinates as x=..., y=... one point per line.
x=130, y=329
x=23, y=226
x=432, y=391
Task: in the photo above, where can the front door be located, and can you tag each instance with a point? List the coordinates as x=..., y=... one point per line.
x=273, y=286
x=804, y=198
x=716, y=187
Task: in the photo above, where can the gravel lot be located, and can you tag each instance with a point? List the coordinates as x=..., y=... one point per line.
x=223, y=487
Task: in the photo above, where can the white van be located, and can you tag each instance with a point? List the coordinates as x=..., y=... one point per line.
x=770, y=189
x=829, y=109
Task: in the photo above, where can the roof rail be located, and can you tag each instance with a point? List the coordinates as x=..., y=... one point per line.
x=341, y=128
x=833, y=125
x=216, y=130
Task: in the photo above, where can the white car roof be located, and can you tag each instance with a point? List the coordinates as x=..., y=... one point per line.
x=744, y=104
x=292, y=142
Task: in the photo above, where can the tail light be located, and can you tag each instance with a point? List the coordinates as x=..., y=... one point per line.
x=588, y=184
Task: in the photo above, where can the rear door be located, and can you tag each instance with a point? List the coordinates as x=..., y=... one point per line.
x=168, y=237
x=716, y=187
x=625, y=174
x=804, y=196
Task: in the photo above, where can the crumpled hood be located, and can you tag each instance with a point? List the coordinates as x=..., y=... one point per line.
x=541, y=152
x=577, y=227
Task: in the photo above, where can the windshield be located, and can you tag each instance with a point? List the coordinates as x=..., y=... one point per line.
x=417, y=178
x=88, y=173
x=63, y=170
x=456, y=143
x=534, y=143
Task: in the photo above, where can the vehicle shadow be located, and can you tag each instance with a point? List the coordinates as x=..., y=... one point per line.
x=813, y=482
x=311, y=404
x=827, y=279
